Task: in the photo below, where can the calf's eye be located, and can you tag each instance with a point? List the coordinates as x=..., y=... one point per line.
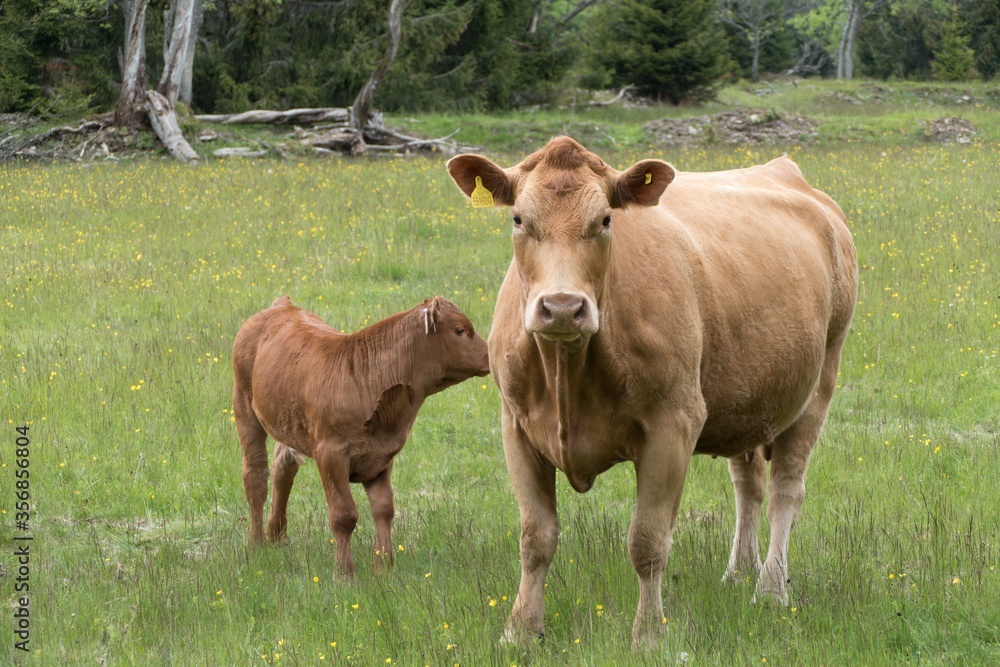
x=459, y=331
x=607, y=221
x=517, y=220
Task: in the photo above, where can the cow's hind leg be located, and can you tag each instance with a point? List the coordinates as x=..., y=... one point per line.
x=252, y=439
x=286, y=465
x=748, y=474
x=379, y=492
x=789, y=460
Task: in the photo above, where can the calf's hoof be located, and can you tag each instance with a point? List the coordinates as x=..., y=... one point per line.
x=277, y=535
x=383, y=562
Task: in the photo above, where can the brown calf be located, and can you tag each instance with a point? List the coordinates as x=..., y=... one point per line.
x=346, y=400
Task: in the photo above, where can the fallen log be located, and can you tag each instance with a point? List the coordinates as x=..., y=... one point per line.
x=241, y=151
x=164, y=122
x=266, y=117
x=342, y=139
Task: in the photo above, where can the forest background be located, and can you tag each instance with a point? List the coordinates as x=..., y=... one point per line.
x=64, y=58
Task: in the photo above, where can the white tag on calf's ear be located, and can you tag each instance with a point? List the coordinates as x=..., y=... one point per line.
x=427, y=317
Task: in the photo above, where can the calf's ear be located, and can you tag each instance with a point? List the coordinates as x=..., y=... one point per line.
x=474, y=174
x=643, y=183
x=431, y=312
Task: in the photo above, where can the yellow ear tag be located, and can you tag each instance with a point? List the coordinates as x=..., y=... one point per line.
x=649, y=177
x=481, y=197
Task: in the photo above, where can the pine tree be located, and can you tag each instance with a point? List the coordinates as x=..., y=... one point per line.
x=672, y=49
x=984, y=26
x=953, y=59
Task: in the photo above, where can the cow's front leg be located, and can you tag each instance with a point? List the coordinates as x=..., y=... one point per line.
x=379, y=492
x=748, y=484
x=534, y=482
x=660, y=469
x=335, y=472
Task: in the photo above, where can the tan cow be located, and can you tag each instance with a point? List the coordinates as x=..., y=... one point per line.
x=644, y=323
x=347, y=401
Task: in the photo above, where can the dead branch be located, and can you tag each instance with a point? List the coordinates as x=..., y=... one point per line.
x=616, y=98
x=363, y=102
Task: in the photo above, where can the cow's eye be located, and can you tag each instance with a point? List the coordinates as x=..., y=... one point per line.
x=517, y=220
x=607, y=221
x=459, y=331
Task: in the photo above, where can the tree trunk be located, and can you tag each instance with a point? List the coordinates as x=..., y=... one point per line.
x=363, y=102
x=175, y=54
x=755, y=63
x=127, y=112
x=845, y=54
x=164, y=122
x=187, y=76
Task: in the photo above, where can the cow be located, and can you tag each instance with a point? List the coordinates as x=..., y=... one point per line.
x=346, y=400
x=646, y=323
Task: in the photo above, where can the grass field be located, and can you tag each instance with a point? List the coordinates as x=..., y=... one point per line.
x=124, y=287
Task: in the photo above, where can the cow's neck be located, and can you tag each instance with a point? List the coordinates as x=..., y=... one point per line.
x=565, y=366
x=385, y=356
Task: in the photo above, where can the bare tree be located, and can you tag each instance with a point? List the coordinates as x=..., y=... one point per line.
x=754, y=20
x=187, y=77
x=363, y=102
x=856, y=11
x=180, y=14
x=128, y=111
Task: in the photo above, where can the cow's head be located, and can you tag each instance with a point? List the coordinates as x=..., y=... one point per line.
x=563, y=201
x=455, y=351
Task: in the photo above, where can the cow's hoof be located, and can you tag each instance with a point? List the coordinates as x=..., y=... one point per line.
x=521, y=637
x=740, y=576
x=770, y=594
x=649, y=638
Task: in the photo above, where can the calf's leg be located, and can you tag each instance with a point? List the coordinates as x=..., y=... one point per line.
x=534, y=482
x=660, y=469
x=334, y=473
x=286, y=465
x=252, y=440
x=748, y=484
x=379, y=492
x=788, y=482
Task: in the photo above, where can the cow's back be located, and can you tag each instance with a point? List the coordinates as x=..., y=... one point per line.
x=744, y=279
x=777, y=283
x=277, y=355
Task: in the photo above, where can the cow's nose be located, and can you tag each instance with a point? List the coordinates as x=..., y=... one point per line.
x=562, y=312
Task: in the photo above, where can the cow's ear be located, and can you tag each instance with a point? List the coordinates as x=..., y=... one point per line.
x=470, y=171
x=643, y=183
x=435, y=311
x=431, y=312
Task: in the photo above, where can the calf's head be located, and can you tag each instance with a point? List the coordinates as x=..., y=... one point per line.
x=563, y=202
x=455, y=351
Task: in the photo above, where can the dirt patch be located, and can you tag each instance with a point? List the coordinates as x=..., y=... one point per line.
x=739, y=126
x=949, y=130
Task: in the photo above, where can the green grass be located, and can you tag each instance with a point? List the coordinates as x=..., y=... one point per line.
x=125, y=285
x=890, y=113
